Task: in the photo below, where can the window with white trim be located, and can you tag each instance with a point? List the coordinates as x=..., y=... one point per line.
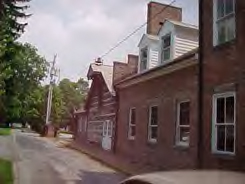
x=153, y=124
x=183, y=124
x=166, y=48
x=132, y=125
x=143, y=59
x=224, y=123
x=224, y=21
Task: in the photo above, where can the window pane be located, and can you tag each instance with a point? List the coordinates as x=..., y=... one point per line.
x=184, y=134
x=153, y=132
x=154, y=115
x=144, y=53
x=230, y=138
x=230, y=110
x=132, y=131
x=110, y=128
x=221, y=27
x=229, y=6
x=220, y=110
x=231, y=28
x=143, y=64
x=221, y=138
x=184, y=113
x=166, y=54
x=143, y=60
x=132, y=116
x=220, y=8
x=166, y=41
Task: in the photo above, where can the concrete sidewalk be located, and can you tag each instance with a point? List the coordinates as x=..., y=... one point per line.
x=6, y=147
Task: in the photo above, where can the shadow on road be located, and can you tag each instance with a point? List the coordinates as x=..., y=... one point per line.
x=88, y=177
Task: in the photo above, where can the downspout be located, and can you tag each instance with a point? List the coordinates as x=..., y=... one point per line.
x=116, y=119
x=200, y=90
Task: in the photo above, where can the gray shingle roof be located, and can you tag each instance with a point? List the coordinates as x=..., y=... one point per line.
x=107, y=74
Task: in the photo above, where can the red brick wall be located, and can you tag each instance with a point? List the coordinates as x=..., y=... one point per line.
x=123, y=70
x=224, y=66
x=154, y=21
x=165, y=92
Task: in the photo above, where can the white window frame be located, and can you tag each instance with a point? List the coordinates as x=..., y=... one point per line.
x=216, y=20
x=145, y=59
x=164, y=49
x=178, y=142
x=214, y=116
x=130, y=125
x=150, y=139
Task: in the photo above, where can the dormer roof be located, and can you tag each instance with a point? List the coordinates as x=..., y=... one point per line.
x=179, y=24
x=147, y=37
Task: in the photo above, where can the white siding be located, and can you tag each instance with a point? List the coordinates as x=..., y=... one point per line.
x=153, y=58
x=151, y=43
x=183, y=46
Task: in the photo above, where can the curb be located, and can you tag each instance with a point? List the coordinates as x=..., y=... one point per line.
x=94, y=157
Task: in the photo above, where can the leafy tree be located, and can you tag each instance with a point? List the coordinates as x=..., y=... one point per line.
x=73, y=95
x=10, y=29
x=28, y=70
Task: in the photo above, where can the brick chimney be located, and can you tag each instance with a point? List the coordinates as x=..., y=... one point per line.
x=123, y=70
x=155, y=18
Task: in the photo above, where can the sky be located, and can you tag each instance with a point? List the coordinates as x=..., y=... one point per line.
x=79, y=31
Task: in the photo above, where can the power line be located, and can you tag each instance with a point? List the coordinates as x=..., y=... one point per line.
x=136, y=30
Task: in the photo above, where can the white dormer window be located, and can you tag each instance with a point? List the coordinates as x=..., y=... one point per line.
x=166, y=47
x=143, y=59
x=224, y=21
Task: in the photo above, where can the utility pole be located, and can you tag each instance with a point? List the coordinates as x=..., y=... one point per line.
x=53, y=75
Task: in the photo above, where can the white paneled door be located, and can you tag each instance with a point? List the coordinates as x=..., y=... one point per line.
x=107, y=135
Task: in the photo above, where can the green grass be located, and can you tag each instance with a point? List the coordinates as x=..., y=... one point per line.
x=5, y=131
x=6, y=172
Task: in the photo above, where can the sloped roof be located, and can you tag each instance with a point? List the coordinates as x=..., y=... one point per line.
x=182, y=24
x=107, y=73
x=148, y=37
x=179, y=24
x=182, y=59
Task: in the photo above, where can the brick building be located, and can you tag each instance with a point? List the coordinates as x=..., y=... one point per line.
x=157, y=108
x=157, y=115
x=182, y=107
x=95, y=122
x=222, y=65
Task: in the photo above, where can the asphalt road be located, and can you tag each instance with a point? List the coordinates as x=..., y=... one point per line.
x=39, y=161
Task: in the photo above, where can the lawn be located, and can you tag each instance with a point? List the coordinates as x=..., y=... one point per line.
x=6, y=172
x=5, y=131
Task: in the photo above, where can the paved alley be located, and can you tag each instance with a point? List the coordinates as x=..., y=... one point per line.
x=39, y=161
